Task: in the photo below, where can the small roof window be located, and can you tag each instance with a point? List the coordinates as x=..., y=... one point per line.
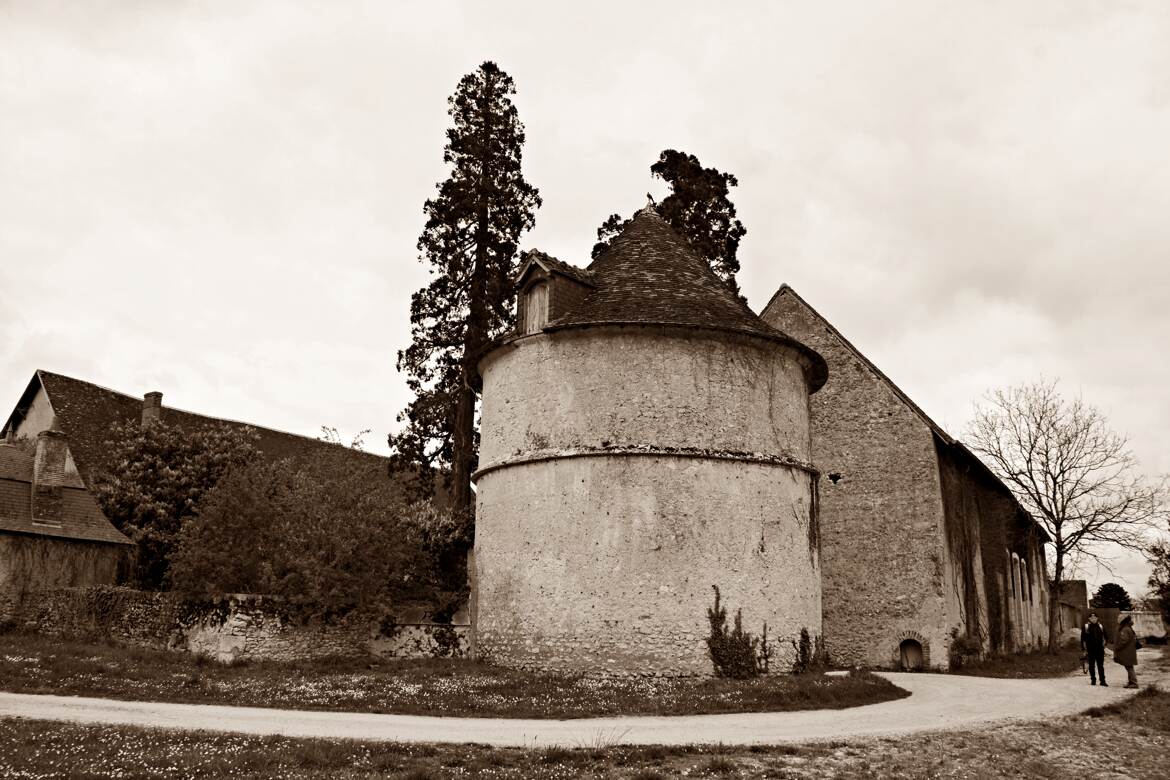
x=535, y=308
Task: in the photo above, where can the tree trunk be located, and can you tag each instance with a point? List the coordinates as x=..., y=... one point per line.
x=464, y=437
x=1054, y=601
x=475, y=336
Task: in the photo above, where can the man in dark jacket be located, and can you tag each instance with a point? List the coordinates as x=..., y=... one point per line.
x=1093, y=643
x=1125, y=651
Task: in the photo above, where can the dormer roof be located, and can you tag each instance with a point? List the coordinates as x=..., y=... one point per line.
x=535, y=259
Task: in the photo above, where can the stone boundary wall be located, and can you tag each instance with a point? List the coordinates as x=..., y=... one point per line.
x=1148, y=624
x=237, y=627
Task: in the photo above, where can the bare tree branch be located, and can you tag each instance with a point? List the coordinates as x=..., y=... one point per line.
x=1071, y=472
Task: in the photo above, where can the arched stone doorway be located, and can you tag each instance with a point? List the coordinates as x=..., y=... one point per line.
x=910, y=655
x=910, y=651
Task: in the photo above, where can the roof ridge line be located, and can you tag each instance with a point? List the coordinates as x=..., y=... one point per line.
x=899, y=392
x=204, y=416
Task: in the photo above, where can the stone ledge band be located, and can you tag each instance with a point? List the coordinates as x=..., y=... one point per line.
x=769, y=460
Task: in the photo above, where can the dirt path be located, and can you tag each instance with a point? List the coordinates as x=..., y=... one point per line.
x=936, y=702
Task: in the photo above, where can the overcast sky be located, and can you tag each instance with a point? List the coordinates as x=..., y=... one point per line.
x=220, y=200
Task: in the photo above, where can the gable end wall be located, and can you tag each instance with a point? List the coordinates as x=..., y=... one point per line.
x=883, y=554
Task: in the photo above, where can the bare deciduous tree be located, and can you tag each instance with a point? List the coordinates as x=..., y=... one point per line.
x=1070, y=471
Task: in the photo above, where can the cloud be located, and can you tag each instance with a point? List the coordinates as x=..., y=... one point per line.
x=221, y=201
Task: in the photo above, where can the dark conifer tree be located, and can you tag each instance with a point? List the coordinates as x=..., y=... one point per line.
x=470, y=243
x=1111, y=595
x=698, y=208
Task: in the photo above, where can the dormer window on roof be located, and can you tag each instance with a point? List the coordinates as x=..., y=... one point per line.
x=547, y=289
x=535, y=308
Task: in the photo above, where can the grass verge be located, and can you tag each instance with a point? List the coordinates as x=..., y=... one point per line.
x=1127, y=739
x=1026, y=665
x=37, y=664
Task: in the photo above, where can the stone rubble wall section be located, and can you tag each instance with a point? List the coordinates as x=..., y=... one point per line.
x=883, y=550
x=30, y=563
x=1148, y=624
x=624, y=472
x=249, y=627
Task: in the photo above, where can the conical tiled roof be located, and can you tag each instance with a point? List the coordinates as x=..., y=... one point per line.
x=651, y=275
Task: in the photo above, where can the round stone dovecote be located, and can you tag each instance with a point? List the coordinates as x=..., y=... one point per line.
x=633, y=457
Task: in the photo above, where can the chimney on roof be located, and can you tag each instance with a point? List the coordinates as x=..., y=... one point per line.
x=48, y=476
x=151, y=408
x=9, y=438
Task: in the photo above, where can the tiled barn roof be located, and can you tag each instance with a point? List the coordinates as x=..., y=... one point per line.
x=80, y=516
x=85, y=412
x=15, y=463
x=554, y=265
x=650, y=275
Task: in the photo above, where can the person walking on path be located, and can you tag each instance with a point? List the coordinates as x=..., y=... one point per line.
x=1125, y=651
x=1093, y=644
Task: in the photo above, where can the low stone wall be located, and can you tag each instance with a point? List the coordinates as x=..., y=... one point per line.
x=1148, y=624
x=134, y=617
x=233, y=628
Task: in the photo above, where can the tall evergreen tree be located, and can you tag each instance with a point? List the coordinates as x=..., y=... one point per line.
x=1111, y=595
x=470, y=242
x=698, y=208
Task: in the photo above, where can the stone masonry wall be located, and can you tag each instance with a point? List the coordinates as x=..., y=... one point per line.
x=606, y=388
x=624, y=472
x=883, y=555
x=991, y=557
x=239, y=627
x=606, y=565
x=29, y=563
x=971, y=521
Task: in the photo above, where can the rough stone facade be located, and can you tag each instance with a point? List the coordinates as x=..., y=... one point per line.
x=242, y=627
x=31, y=563
x=916, y=546
x=624, y=471
x=996, y=578
x=1148, y=625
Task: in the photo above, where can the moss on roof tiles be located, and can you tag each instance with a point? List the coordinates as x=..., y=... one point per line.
x=651, y=275
x=86, y=412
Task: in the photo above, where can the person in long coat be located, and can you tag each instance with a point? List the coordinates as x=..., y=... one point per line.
x=1125, y=650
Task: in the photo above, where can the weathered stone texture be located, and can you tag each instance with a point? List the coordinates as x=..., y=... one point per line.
x=30, y=563
x=606, y=564
x=244, y=627
x=995, y=574
x=141, y=618
x=627, y=491
x=643, y=386
x=882, y=550
x=1148, y=624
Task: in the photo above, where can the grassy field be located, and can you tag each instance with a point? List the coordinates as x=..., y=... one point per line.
x=1041, y=664
x=36, y=664
x=1127, y=740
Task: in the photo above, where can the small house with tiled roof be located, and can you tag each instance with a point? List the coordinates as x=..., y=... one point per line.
x=52, y=533
x=644, y=437
x=920, y=541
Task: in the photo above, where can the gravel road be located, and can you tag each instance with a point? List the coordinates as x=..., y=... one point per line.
x=937, y=702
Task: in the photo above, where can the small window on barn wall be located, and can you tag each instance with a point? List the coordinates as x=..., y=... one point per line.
x=535, y=308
